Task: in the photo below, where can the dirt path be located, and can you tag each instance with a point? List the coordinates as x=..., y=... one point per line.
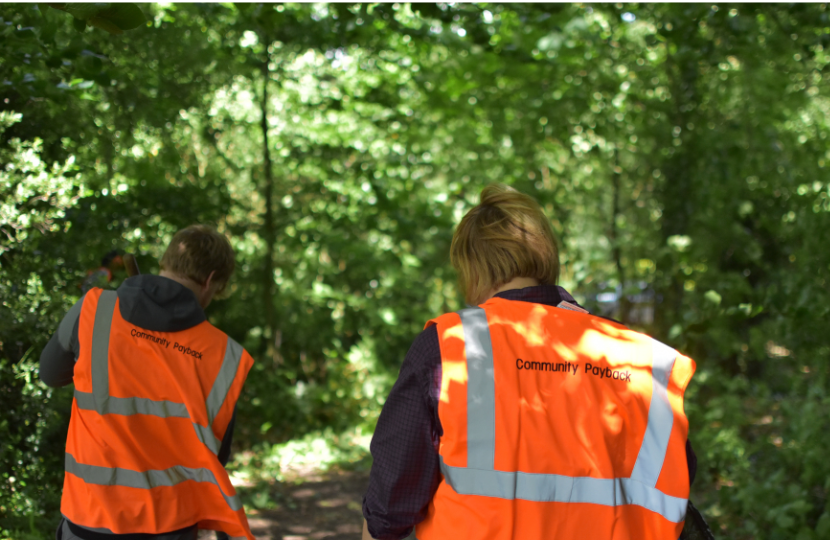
x=324, y=506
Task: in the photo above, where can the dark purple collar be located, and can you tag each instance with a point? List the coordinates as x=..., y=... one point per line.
x=549, y=295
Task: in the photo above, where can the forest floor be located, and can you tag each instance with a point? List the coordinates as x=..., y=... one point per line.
x=315, y=506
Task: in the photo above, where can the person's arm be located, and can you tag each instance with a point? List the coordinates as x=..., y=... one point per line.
x=405, y=472
x=224, y=455
x=691, y=461
x=57, y=360
x=225, y=450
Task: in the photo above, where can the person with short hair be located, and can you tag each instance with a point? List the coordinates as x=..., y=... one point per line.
x=524, y=416
x=156, y=387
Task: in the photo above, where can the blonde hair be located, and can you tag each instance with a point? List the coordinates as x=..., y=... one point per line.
x=196, y=251
x=506, y=236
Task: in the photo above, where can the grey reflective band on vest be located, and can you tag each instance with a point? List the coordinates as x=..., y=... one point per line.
x=660, y=417
x=481, y=390
x=162, y=409
x=207, y=437
x=115, y=476
x=100, y=350
x=134, y=405
x=218, y=393
x=481, y=478
x=566, y=489
x=224, y=379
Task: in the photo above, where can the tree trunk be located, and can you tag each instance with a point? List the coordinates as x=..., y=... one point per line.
x=677, y=193
x=269, y=229
x=616, y=250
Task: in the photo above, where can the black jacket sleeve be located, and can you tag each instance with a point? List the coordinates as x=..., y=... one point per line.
x=57, y=360
x=691, y=461
x=405, y=470
x=225, y=449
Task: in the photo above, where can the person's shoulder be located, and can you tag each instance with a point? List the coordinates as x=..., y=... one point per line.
x=584, y=319
x=232, y=346
x=425, y=350
x=427, y=336
x=620, y=330
x=218, y=334
x=614, y=322
x=450, y=319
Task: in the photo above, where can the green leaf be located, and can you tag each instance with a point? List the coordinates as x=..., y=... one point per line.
x=104, y=24
x=713, y=296
x=823, y=525
x=79, y=24
x=123, y=16
x=679, y=242
x=84, y=11
x=26, y=33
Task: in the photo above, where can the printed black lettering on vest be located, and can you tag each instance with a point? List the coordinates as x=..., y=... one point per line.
x=187, y=350
x=555, y=367
x=136, y=333
x=608, y=373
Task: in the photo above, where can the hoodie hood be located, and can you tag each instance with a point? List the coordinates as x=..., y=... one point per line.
x=159, y=304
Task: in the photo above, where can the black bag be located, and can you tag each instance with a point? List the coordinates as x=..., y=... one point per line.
x=695, y=527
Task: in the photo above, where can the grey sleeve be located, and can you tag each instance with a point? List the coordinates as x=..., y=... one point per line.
x=57, y=361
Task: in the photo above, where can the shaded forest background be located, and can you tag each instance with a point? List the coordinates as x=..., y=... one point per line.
x=681, y=152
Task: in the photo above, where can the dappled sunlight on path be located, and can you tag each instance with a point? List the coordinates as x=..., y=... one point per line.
x=318, y=506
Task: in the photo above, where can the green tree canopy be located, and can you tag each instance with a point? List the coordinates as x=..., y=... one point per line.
x=679, y=150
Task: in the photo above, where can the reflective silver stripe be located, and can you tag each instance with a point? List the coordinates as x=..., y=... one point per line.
x=218, y=393
x=207, y=437
x=660, y=418
x=115, y=476
x=567, y=489
x=481, y=390
x=133, y=405
x=224, y=379
x=100, y=349
x=68, y=324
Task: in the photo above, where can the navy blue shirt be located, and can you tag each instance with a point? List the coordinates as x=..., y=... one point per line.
x=405, y=472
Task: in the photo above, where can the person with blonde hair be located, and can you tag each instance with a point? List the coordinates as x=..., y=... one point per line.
x=524, y=416
x=156, y=387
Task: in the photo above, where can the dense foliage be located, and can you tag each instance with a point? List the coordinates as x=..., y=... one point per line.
x=679, y=149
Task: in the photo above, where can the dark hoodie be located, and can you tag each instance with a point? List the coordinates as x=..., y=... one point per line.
x=150, y=302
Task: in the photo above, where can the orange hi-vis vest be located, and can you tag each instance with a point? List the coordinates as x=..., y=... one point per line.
x=149, y=414
x=557, y=424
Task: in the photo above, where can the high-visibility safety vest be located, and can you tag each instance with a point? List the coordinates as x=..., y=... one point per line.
x=149, y=414
x=557, y=425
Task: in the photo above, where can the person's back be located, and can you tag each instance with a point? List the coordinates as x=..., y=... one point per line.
x=557, y=424
x=525, y=417
x=155, y=392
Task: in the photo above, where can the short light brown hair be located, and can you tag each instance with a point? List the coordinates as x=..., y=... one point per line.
x=506, y=236
x=196, y=251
